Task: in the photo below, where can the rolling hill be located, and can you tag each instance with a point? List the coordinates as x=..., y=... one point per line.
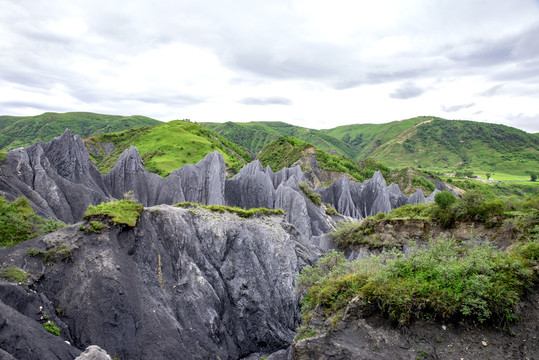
x=18, y=131
x=165, y=147
x=423, y=142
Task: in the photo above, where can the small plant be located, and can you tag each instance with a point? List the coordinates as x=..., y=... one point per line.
x=11, y=273
x=330, y=210
x=61, y=253
x=93, y=227
x=316, y=198
x=52, y=328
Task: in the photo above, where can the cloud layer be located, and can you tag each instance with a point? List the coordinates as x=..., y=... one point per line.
x=331, y=63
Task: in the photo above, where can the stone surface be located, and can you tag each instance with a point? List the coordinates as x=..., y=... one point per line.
x=183, y=281
x=94, y=352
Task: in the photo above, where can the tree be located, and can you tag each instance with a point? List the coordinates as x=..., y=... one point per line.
x=444, y=199
x=533, y=177
x=488, y=175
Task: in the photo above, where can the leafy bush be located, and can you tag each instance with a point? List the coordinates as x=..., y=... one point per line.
x=443, y=280
x=121, y=212
x=11, y=273
x=52, y=328
x=19, y=222
x=330, y=210
x=316, y=198
x=444, y=199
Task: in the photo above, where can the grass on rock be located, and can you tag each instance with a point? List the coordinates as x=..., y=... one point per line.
x=121, y=212
x=243, y=213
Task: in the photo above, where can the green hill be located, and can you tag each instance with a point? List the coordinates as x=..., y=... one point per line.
x=422, y=142
x=165, y=147
x=255, y=135
x=18, y=131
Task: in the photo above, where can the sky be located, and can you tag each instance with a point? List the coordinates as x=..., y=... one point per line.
x=312, y=63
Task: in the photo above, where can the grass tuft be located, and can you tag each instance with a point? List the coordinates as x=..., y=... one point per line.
x=121, y=212
x=255, y=212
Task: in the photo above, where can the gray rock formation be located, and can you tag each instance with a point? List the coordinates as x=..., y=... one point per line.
x=94, y=353
x=22, y=335
x=60, y=181
x=184, y=283
x=359, y=200
x=255, y=186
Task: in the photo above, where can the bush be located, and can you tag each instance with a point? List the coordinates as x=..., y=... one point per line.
x=316, y=198
x=19, y=222
x=444, y=199
x=52, y=328
x=443, y=280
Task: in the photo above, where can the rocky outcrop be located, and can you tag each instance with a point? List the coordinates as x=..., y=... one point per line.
x=255, y=186
x=359, y=200
x=183, y=283
x=61, y=182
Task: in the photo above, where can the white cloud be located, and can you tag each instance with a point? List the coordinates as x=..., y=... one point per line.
x=331, y=62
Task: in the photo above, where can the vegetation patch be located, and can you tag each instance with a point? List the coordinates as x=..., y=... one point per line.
x=52, y=328
x=19, y=222
x=121, y=212
x=50, y=257
x=11, y=273
x=330, y=210
x=93, y=227
x=255, y=212
x=315, y=197
x=444, y=280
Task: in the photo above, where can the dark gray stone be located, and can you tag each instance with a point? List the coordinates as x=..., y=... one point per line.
x=183, y=282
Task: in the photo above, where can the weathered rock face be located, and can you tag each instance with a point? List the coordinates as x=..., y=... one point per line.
x=359, y=200
x=60, y=182
x=255, y=186
x=184, y=283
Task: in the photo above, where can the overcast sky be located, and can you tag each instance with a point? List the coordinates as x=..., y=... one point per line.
x=317, y=64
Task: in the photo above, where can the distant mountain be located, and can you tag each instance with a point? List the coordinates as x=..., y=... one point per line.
x=426, y=142
x=165, y=147
x=18, y=131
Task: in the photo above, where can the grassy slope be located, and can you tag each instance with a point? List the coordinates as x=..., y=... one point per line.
x=255, y=135
x=17, y=131
x=166, y=147
x=427, y=142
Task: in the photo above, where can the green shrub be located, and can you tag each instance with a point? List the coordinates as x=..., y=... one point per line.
x=11, y=273
x=19, y=222
x=316, y=198
x=330, y=210
x=444, y=199
x=444, y=280
x=121, y=212
x=52, y=328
